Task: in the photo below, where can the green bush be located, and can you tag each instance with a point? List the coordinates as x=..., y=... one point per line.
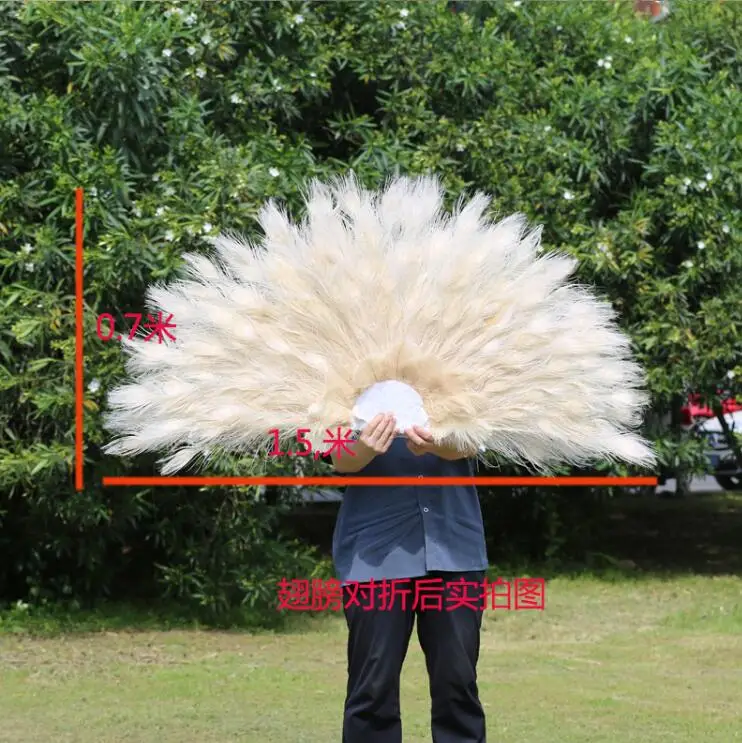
x=620, y=136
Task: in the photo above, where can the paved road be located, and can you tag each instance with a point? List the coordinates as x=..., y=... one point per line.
x=706, y=484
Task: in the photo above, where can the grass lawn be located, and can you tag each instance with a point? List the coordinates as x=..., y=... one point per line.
x=638, y=657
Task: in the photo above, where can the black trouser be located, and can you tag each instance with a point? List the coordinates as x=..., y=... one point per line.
x=377, y=645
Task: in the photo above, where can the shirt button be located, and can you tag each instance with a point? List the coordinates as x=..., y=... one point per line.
x=419, y=477
x=425, y=510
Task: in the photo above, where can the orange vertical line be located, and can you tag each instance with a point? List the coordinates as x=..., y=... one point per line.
x=79, y=398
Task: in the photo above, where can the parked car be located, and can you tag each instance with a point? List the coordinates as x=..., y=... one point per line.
x=726, y=471
x=695, y=409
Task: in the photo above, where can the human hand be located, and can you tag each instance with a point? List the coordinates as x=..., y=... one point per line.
x=379, y=433
x=419, y=441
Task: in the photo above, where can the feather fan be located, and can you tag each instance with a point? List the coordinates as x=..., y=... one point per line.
x=484, y=330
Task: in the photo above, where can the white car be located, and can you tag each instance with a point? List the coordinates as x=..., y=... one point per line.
x=720, y=455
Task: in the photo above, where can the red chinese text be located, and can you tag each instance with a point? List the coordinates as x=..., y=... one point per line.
x=159, y=328
x=423, y=594
x=340, y=443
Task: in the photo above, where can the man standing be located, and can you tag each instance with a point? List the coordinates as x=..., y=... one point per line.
x=405, y=541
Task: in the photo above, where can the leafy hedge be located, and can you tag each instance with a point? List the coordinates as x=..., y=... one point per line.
x=620, y=136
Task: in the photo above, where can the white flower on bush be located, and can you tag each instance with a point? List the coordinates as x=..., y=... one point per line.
x=602, y=247
x=683, y=190
x=568, y=196
x=94, y=386
x=168, y=191
x=547, y=128
x=21, y=605
x=709, y=176
x=312, y=74
x=731, y=374
x=404, y=12
x=191, y=50
x=298, y=19
x=206, y=39
x=687, y=181
x=30, y=267
x=559, y=28
x=156, y=177
x=701, y=245
x=399, y=25
x=628, y=39
x=200, y=72
x=517, y=3
x=605, y=63
x=688, y=264
x=170, y=236
x=701, y=185
x=275, y=172
x=191, y=18
x=460, y=147
x=27, y=248
x=160, y=211
x=137, y=211
x=208, y=227
x=167, y=52
x=725, y=229
x=235, y=98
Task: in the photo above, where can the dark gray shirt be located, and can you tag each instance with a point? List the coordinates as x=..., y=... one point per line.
x=391, y=532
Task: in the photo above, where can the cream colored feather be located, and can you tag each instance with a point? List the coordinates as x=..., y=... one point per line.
x=505, y=352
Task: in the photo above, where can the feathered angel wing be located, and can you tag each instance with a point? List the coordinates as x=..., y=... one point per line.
x=374, y=286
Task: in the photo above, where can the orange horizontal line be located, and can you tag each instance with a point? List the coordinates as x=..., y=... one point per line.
x=389, y=481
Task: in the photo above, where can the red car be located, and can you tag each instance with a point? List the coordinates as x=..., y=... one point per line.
x=694, y=409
